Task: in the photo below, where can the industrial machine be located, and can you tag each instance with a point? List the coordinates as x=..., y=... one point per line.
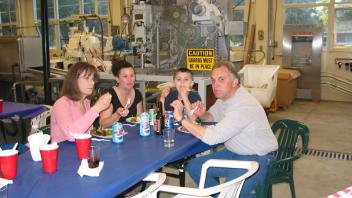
x=22, y=52
x=163, y=31
x=302, y=46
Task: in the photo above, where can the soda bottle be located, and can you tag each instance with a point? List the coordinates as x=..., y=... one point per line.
x=159, y=119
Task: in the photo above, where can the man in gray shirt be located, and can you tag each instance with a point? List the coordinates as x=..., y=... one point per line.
x=242, y=126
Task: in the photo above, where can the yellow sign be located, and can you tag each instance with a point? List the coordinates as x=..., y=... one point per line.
x=200, y=59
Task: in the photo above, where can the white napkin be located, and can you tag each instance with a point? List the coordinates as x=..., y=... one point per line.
x=4, y=182
x=92, y=172
x=35, y=141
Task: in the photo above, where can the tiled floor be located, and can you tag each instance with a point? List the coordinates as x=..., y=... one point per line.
x=331, y=130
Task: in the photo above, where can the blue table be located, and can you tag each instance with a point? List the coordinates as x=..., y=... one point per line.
x=21, y=109
x=125, y=165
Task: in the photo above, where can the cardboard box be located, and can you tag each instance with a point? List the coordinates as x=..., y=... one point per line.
x=287, y=86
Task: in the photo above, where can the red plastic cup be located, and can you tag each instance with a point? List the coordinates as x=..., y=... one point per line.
x=8, y=163
x=49, y=154
x=83, y=142
x=1, y=105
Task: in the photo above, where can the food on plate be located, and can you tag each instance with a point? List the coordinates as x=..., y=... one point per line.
x=134, y=119
x=102, y=132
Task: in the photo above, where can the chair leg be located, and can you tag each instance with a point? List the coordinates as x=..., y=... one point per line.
x=270, y=191
x=292, y=187
x=182, y=173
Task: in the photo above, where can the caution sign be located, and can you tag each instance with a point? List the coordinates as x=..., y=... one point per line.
x=200, y=59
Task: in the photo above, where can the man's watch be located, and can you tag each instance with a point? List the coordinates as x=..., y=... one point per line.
x=181, y=120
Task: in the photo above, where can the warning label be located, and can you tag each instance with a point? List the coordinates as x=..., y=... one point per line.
x=200, y=59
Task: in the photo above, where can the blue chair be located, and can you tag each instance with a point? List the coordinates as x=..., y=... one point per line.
x=21, y=147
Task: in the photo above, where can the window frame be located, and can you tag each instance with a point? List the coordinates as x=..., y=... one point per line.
x=56, y=21
x=11, y=24
x=244, y=9
x=331, y=32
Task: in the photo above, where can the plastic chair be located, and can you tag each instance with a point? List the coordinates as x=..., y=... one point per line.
x=40, y=120
x=151, y=191
x=289, y=132
x=230, y=189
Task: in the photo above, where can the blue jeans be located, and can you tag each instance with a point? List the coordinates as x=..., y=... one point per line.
x=194, y=168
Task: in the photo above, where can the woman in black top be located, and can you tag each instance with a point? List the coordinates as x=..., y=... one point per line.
x=126, y=101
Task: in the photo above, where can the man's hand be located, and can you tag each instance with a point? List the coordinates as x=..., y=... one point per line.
x=178, y=109
x=199, y=108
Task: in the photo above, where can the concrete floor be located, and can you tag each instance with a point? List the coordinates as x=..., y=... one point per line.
x=330, y=130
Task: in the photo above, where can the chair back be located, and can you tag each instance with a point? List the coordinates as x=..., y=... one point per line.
x=293, y=138
x=40, y=120
x=232, y=188
x=151, y=191
x=288, y=133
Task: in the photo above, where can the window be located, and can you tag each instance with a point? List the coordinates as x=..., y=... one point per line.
x=67, y=8
x=238, y=15
x=103, y=7
x=88, y=7
x=67, y=15
x=301, y=12
x=316, y=15
x=8, y=17
x=287, y=2
x=343, y=25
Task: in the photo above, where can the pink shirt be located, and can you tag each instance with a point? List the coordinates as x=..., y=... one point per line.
x=66, y=118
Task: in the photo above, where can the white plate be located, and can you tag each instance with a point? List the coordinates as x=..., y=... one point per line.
x=182, y=129
x=130, y=120
x=100, y=136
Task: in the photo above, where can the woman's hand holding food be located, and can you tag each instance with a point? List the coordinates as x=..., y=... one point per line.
x=123, y=112
x=103, y=102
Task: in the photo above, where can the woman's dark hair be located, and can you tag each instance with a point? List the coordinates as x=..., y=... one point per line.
x=183, y=70
x=70, y=88
x=118, y=64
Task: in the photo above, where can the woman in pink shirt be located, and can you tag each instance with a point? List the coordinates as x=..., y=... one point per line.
x=72, y=113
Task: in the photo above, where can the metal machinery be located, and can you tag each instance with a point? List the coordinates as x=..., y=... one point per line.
x=302, y=46
x=18, y=54
x=22, y=51
x=160, y=32
x=164, y=29
x=86, y=45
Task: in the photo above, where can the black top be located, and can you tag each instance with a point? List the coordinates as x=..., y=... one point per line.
x=116, y=103
x=173, y=95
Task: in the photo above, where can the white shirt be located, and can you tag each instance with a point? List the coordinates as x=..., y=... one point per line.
x=242, y=125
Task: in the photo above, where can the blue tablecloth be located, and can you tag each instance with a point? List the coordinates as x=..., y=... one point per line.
x=21, y=109
x=125, y=165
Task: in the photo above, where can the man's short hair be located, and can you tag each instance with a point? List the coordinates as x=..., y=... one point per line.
x=229, y=67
